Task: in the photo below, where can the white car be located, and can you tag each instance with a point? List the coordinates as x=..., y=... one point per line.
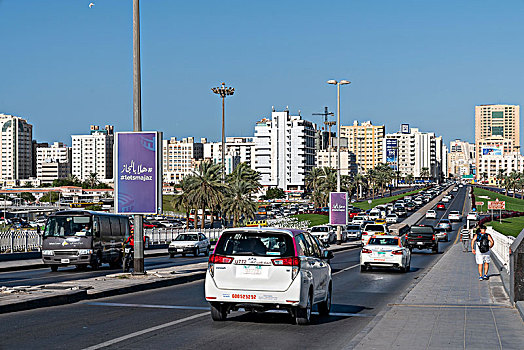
x=431, y=214
x=373, y=229
x=385, y=251
x=454, y=215
x=260, y=269
x=445, y=199
x=324, y=233
x=392, y=218
x=189, y=243
x=359, y=219
x=473, y=216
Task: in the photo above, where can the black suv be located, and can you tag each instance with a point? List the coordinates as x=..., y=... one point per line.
x=422, y=237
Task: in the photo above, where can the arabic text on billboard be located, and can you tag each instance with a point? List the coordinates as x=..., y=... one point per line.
x=136, y=172
x=491, y=151
x=338, y=204
x=496, y=205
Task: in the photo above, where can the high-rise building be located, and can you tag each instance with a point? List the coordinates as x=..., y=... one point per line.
x=53, y=162
x=491, y=164
x=411, y=151
x=365, y=141
x=348, y=163
x=93, y=154
x=284, y=151
x=179, y=158
x=241, y=147
x=16, y=148
x=461, y=158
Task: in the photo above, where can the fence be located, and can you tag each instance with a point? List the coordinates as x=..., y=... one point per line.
x=166, y=235
x=14, y=241
x=501, y=246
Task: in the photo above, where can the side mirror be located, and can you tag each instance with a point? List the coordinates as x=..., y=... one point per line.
x=327, y=254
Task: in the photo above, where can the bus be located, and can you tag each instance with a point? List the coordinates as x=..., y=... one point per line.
x=262, y=210
x=83, y=237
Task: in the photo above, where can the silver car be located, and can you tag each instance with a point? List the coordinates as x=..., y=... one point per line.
x=189, y=243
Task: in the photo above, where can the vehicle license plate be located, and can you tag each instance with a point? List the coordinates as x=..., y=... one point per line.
x=64, y=261
x=420, y=243
x=252, y=270
x=180, y=250
x=381, y=253
x=380, y=259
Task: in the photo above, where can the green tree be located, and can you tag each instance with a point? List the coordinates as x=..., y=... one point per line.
x=238, y=202
x=27, y=196
x=409, y=179
x=180, y=202
x=50, y=197
x=274, y=193
x=424, y=173
x=91, y=181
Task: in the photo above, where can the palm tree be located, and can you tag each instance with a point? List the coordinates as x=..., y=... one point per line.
x=181, y=201
x=206, y=188
x=91, y=180
x=500, y=176
x=424, y=173
x=321, y=181
x=359, y=184
x=244, y=173
x=409, y=179
x=238, y=202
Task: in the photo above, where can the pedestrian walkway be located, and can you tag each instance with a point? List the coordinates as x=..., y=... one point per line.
x=450, y=309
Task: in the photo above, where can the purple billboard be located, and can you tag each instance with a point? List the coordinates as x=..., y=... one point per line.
x=138, y=174
x=338, y=208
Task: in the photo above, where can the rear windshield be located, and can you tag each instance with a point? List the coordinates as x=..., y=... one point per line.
x=255, y=243
x=383, y=241
x=378, y=228
x=419, y=230
x=319, y=229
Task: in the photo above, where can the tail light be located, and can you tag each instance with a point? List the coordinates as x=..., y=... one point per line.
x=217, y=259
x=397, y=252
x=294, y=262
x=433, y=238
x=366, y=251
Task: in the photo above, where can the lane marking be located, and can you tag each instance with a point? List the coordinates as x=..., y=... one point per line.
x=340, y=314
x=346, y=269
x=145, y=331
x=154, y=306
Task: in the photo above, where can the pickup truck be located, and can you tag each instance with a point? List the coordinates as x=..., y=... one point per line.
x=422, y=237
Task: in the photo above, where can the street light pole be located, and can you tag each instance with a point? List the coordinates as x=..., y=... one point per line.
x=138, y=258
x=338, y=83
x=223, y=91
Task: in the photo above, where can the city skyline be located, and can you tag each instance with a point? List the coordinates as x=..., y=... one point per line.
x=280, y=55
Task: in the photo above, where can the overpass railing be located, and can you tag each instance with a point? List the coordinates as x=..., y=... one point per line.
x=502, y=245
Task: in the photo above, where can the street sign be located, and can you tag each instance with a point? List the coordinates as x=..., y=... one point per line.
x=479, y=203
x=338, y=208
x=497, y=205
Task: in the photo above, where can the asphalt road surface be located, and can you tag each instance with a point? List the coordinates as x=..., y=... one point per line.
x=178, y=316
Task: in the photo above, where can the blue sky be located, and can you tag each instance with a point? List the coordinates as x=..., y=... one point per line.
x=65, y=66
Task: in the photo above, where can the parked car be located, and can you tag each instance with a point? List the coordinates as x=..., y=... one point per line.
x=385, y=251
x=431, y=214
x=189, y=243
x=264, y=269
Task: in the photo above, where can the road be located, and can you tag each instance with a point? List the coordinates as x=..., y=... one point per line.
x=178, y=316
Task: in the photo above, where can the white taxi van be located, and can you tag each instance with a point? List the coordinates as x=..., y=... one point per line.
x=261, y=269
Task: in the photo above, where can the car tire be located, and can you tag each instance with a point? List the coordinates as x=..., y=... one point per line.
x=197, y=252
x=303, y=315
x=218, y=312
x=363, y=268
x=206, y=253
x=171, y=255
x=435, y=249
x=325, y=306
x=54, y=268
x=408, y=267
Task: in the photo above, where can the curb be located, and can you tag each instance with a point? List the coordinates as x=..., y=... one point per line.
x=54, y=300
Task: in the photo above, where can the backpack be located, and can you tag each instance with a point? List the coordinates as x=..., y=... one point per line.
x=483, y=243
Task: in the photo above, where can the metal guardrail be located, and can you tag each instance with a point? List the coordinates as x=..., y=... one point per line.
x=166, y=235
x=501, y=246
x=14, y=241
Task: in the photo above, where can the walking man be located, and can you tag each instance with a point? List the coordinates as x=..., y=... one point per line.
x=481, y=243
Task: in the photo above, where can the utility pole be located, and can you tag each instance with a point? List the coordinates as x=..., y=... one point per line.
x=138, y=261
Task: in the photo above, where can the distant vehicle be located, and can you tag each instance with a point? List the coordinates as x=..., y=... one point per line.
x=385, y=251
x=442, y=234
x=359, y=219
x=454, y=215
x=441, y=206
x=455, y=189
x=422, y=237
x=446, y=199
x=446, y=224
x=371, y=230
x=473, y=216
x=82, y=237
x=354, y=231
x=189, y=243
x=431, y=214
x=324, y=233
x=265, y=269
x=391, y=218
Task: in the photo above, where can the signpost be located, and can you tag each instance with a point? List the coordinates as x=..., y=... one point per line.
x=481, y=204
x=338, y=208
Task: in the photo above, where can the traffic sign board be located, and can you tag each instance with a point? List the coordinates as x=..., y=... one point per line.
x=479, y=203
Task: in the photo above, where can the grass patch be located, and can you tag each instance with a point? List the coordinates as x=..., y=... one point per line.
x=511, y=203
x=385, y=200
x=509, y=226
x=314, y=219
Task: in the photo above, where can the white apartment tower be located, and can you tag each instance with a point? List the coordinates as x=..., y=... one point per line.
x=53, y=162
x=284, y=151
x=179, y=158
x=93, y=154
x=16, y=148
x=242, y=147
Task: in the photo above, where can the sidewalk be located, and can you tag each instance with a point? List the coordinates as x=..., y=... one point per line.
x=449, y=309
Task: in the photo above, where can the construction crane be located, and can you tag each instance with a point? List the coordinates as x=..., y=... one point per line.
x=328, y=124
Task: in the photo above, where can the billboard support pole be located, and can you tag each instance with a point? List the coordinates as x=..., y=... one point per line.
x=138, y=261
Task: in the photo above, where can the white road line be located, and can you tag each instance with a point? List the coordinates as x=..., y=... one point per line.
x=346, y=269
x=144, y=331
x=153, y=306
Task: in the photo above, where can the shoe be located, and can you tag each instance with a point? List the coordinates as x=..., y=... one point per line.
x=481, y=278
x=485, y=277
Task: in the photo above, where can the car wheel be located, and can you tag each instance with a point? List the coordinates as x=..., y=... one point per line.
x=206, y=253
x=303, y=316
x=435, y=249
x=54, y=268
x=408, y=268
x=171, y=255
x=363, y=268
x=218, y=312
x=325, y=306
